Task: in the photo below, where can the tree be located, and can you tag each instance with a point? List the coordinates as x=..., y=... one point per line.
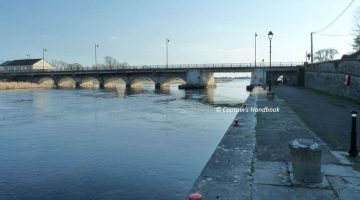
x=356, y=30
x=110, y=62
x=59, y=64
x=74, y=66
x=325, y=55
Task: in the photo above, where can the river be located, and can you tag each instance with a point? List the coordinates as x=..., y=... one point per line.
x=110, y=144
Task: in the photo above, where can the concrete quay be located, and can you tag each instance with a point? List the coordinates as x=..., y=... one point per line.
x=252, y=161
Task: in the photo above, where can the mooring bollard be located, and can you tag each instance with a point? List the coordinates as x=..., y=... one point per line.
x=353, y=152
x=236, y=122
x=269, y=85
x=195, y=196
x=306, y=161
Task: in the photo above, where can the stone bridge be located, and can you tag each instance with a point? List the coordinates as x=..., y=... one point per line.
x=194, y=76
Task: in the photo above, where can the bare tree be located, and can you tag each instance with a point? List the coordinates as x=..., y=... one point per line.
x=325, y=55
x=59, y=64
x=356, y=30
x=110, y=62
x=74, y=66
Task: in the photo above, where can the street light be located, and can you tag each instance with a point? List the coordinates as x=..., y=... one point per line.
x=255, y=48
x=96, y=46
x=44, y=50
x=270, y=35
x=28, y=56
x=312, y=45
x=167, y=55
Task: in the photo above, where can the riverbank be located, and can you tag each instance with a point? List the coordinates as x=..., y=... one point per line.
x=22, y=85
x=252, y=161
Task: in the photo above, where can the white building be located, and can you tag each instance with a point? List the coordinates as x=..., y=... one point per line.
x=27, y=64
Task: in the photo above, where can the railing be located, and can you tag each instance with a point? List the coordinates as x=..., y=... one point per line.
x=146, y=67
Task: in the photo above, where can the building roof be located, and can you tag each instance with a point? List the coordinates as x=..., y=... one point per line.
x=20, y=62
x=5, y=63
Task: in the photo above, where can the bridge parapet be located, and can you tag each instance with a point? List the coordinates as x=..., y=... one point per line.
x=214, y=66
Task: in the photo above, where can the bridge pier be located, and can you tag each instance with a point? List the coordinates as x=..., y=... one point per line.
x=157, y=85
x=77, y=84
x=198, y=79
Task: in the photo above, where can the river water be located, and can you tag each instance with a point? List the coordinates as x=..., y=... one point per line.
x=108, y=144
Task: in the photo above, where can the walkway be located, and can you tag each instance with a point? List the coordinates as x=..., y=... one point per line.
x=326, y=115
x=252, y=161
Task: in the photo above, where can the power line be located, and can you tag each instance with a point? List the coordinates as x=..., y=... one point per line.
x=331, y=23
x=335, y=35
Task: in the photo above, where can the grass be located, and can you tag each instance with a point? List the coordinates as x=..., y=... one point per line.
x=22, y=85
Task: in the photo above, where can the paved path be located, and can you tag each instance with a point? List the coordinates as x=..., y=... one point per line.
x=252, y=160
x=328, y=116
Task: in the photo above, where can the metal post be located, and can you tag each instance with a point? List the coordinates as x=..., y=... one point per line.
x=255, y=48
x=270, y=70
x=44, y=59
x=269, y=82
x=312, y=55
x=270, y=54
x=353, y=152
x=167, y=53
x=96, y=45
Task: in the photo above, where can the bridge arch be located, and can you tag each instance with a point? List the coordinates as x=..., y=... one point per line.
x=46, y=81
x=67, y=82
x=90, y=82
x=115, y=82
x=138, y=81
x=172, y=80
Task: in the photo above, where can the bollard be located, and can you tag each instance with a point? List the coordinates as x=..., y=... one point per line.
x=353, y=152
x=236, y=122
x=306, y=161
x=269, y=86
x=195, y=196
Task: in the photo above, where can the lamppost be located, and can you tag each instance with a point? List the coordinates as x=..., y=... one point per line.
x=270, y=35
x=167, y=53
x=312, y=45
x=28, y=56
x=44, y=50
x=96, y=46
x=255, y=48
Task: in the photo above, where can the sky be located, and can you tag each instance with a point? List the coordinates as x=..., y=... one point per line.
x=200, y=31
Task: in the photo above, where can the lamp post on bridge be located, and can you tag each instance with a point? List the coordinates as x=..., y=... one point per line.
x=270, y=35
x=43, y=62
x=255, y=48
x=96, y=46
x=167, y=53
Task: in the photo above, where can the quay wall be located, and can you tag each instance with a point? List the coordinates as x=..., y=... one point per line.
x=329, y=77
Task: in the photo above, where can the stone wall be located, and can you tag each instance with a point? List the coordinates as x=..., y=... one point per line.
x=329, y=77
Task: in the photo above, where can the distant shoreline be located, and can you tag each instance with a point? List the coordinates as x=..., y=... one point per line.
x=22, y=85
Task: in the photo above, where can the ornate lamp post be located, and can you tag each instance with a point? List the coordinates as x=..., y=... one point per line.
x=255, y=48
x=270, y=35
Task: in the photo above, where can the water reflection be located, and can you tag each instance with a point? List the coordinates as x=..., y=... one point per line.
x=109, y=144
x=224, y=94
